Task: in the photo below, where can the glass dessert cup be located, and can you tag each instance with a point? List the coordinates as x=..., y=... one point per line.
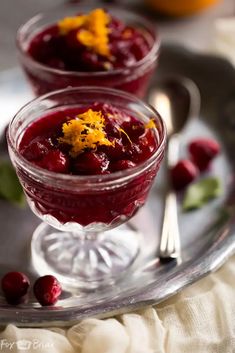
x=44, y=79
x=83, y=239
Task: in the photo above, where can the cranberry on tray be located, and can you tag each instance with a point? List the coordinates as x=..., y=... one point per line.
x=183, y=173
x=47, y=290
x=203, y=151
x=15, y=286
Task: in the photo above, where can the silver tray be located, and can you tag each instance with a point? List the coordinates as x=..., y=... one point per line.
x=207, y=235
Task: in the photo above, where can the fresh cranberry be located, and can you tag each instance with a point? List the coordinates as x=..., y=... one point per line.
x=203, y=151
x=146, y=146
x=98, y=106
x=91, y=163
x=112, y=112
x=183, y=173
x=15, y=286
x=116, y=28
x=122, y=164
x=133, y=130
x=40, y=47
x=55, y=161
x=133, y=152
x=37, y=149
x=112, y=129
x=72, y=41
x=139, y=48
x=47, y=290
x=91, y=61
x=119, y=46
x=115, y=151
x=125, y=58
x=56, y=63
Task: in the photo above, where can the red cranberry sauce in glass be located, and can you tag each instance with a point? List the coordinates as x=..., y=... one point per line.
x=90, y=48
x=95, y=141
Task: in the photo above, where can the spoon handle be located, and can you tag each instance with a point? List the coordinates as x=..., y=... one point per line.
x=170, y=237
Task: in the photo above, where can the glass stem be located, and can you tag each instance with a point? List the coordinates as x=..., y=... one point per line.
x=91, y=236
x=86, y=236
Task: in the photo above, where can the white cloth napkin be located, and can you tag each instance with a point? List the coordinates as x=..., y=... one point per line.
x=201, y=319
x=224, y=38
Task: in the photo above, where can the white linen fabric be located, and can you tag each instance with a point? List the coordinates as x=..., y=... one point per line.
x=17, y=340
x=201, y=319
x=224, y=38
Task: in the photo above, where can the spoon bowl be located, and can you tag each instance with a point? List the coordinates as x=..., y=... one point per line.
x=177, y=99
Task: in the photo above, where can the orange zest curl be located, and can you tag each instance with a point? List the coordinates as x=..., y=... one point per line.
x=127, y=34
x=86, y=131
x=124, y=132
x=150, y=124
x=71, y=23
x=93, y=31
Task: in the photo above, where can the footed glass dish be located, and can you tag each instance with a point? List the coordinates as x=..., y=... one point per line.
x=85, y=239
x=46, y=71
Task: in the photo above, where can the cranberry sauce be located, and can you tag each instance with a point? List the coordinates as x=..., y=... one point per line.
x=65, y=51
x=107, y=47
x=123, y=143
x=129, y=143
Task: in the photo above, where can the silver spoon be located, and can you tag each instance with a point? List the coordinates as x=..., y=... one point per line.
x=177, y=99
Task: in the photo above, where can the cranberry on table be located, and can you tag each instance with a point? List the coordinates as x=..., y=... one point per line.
x=15, y=286
x=203, y=151
x=47, y=290
x=183, y=173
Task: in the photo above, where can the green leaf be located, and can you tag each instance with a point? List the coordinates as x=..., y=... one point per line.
x=200, y=193
x=10, y=188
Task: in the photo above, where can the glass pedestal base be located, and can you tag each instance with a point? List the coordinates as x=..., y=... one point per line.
x=84, y=260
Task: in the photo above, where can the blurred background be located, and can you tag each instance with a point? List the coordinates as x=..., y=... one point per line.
x=186, y=22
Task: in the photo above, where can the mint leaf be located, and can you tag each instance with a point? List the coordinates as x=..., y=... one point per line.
x=10, y=188
x=200, y=193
